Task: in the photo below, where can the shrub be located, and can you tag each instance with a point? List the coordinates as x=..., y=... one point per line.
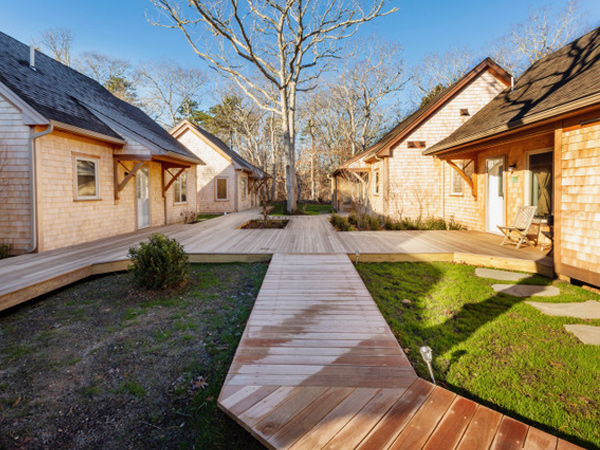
x=353, y=218
x=4, y=251
x=159, y=263
x=435, y=223
x=345, y=225
x=388, y=224
x=373, y=222
x=452, y=225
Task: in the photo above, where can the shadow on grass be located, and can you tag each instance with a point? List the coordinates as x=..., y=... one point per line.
x=457, y=320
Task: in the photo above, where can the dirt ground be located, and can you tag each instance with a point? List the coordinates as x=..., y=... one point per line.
x=104, y=364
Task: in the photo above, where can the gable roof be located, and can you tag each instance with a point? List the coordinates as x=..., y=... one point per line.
x=431, y=106
x=219, y=145
x=562, y=82
x=67, y=97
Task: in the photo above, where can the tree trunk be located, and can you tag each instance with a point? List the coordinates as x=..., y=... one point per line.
x=312, y=176
x=289, y=149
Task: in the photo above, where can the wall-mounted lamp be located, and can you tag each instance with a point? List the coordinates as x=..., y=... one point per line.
x=512, y=167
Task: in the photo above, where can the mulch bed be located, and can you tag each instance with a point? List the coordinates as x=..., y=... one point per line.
x=260, y=224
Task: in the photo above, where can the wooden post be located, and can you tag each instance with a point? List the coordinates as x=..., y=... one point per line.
x=557, y=197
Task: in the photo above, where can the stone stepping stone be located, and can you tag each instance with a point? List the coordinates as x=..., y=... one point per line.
x=501, y=275
x=587, y=334
x=529, y=290
x=585, y=310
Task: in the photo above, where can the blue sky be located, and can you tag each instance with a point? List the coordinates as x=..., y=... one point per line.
x=120, y=28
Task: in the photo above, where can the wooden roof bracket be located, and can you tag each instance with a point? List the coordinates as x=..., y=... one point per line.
x=120, y=186
x=464, y=176
x=173, y=178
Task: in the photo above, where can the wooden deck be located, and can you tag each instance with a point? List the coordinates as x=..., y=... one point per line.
x=25, y=277
x=318, y=368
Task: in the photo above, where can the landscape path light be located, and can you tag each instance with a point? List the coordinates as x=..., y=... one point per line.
x=427, y=355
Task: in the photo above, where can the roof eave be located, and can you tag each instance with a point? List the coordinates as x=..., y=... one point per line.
x=486, y=64
x=535, y=119
x=87, y=133
x=30, y=115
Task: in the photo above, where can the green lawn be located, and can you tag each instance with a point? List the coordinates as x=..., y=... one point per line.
x=203, y=217
x=304, y=208
x=103, y=364
x=493, y=347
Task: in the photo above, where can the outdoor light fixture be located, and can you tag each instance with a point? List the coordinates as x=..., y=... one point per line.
x=512, y=167
x=357, y=254
x=427, y=355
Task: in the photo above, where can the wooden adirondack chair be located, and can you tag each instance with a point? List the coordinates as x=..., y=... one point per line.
x=517, y=233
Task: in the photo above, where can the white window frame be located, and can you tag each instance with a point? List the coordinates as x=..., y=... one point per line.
x=527, y=190
x=178, y=181
x=96, y=161
x=454, y=173
x=226, y=199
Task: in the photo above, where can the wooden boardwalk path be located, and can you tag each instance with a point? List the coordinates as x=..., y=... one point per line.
x=318, y=368
x=28, y=276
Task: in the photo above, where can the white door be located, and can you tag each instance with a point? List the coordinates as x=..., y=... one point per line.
x=142, y=189
x=495, y=194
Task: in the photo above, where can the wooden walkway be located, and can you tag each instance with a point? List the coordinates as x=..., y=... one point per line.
x=318, y=368
x=28, y=276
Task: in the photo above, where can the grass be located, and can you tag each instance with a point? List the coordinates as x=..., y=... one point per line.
x=203, y=217
x=104, y=364
x=492, y=347
x=309, y=209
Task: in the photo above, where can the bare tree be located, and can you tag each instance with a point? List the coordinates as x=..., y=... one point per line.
x=57, y=43
x=114, y=74
x=440, y=70
x=271, y=49
x=364, y=91
x=167, y=88
x=544, y=31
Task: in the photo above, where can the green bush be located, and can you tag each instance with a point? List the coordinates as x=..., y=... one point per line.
x=373, y=222
x=353, y=218
x=4, y=251
x=159, y=263
x=435, y=223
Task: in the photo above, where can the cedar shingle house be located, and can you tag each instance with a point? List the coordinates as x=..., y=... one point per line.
x=539, y=144
x=225, y=183
x=78, y=163
x=393, y=177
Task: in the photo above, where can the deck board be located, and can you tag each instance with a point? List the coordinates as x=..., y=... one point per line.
x=321, y=374
x=27, y=276
x=317, y=365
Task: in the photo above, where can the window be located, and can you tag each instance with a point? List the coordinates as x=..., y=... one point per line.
x=180, y=188
x=456, y=181
x=221, y=193
x=416, y=144
x=540, y=182
x=244, y=188
x=86, y=179
x=377, y=186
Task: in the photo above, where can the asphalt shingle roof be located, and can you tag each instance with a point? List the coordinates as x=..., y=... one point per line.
x=64, y=95
x=570, y=74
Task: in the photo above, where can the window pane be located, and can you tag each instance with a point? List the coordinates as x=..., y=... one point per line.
x=86, y=178
x=177, y=190
x=540, y=166
x=222, y=189
x=183, y=190
x=244, y=189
